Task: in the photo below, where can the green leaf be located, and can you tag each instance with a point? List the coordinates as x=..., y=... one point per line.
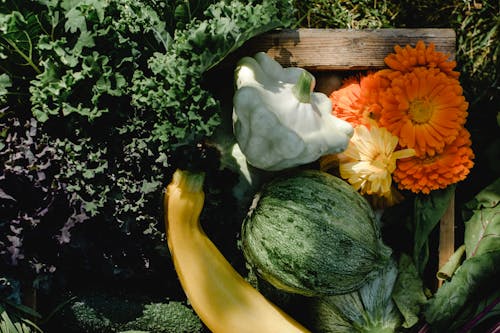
x=482, y=230
x=478, y=275
x=408, y=293
x=428, y=212
x=449, y=268
x=475, y=279
x=5, y=83
x=75, y=21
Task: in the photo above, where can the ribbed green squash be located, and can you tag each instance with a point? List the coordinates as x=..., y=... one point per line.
x=311, y=233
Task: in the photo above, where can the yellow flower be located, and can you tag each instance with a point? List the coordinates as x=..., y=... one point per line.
x=370, y=159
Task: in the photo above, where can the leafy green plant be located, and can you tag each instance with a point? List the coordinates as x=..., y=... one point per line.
x=475, y=279
x=14, y=319
x=75, y=67
x=35, y=206
x=359, y=14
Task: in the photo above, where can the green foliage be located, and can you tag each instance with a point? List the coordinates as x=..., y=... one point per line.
x=5, y=84
x=408, y=292
x=88, y=61
x=166, y=318
x=14, y=319
x=358, y=14
x=185, y=111
x=477, y=277
x=427, y=213
x=478, y=52
x=104, y=313
x=116, y=88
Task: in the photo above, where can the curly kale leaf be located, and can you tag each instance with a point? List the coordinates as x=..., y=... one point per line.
x=87, y=63
x=185, y=111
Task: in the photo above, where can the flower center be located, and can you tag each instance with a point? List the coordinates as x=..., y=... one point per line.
x=420, y=111
x=383, y=162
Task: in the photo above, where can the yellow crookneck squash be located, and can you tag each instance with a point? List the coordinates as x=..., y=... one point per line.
x=222, y=298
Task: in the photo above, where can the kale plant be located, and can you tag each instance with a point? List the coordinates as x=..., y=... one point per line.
x=116, y=89
x=88, y=68
x=37, y=212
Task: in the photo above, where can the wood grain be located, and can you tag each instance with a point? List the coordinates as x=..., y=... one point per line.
x=447, y=235
x=343, y=49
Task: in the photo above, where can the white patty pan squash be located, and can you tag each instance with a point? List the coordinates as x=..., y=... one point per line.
x=278, y=121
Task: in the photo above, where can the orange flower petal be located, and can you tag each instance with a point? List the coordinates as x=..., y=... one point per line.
x=422, y=174
x=420, y=117
x=407, y=58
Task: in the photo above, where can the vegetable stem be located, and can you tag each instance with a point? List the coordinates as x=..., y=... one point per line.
x=467, y=327
x=304, y=86
x=424, y=329
x=23, y=55
x=189, y=181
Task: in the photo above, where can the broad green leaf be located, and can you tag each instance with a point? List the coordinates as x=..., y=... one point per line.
x=474, y=280
x=482, y=230
x=478, y=275
x=408, y=293
x=428, y=212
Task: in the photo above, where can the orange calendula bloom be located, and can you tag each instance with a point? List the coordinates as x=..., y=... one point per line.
x=356, y=101
x=344, y=102
x=431, y=172
x=407, y=58
x=371, y=86
x=370, y=159
x=425, y=108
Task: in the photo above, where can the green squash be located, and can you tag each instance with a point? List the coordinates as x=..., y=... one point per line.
x=311, y=233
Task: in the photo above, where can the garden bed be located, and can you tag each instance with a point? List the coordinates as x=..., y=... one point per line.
x=91, y=134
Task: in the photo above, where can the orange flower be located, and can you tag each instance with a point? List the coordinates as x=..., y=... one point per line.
x=407, y=58
x=371, y=86
x=356, y=101
x=344, y=101
x=425, y=108
x=431, y=172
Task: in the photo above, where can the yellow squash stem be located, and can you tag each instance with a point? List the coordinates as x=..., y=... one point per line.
x=222, y=298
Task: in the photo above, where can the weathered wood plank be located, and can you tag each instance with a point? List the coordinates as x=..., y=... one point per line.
x=447, y=235
x=343, y=49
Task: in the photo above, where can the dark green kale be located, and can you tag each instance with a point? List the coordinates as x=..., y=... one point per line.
x=88, y=60
x=117, y=89
x=185, y=112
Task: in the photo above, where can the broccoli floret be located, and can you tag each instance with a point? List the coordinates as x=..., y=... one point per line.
x=171, y=317
x=89, y=320
x=104, y=313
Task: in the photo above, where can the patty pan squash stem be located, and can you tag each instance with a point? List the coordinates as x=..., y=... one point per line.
x=221, y=297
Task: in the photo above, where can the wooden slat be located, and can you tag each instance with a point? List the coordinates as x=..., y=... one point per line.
x=343, y=49
x=447, y=235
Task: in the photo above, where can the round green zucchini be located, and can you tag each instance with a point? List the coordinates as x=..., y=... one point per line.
x=311, y=233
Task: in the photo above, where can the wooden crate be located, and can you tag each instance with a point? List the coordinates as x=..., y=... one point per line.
x=324, y=51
